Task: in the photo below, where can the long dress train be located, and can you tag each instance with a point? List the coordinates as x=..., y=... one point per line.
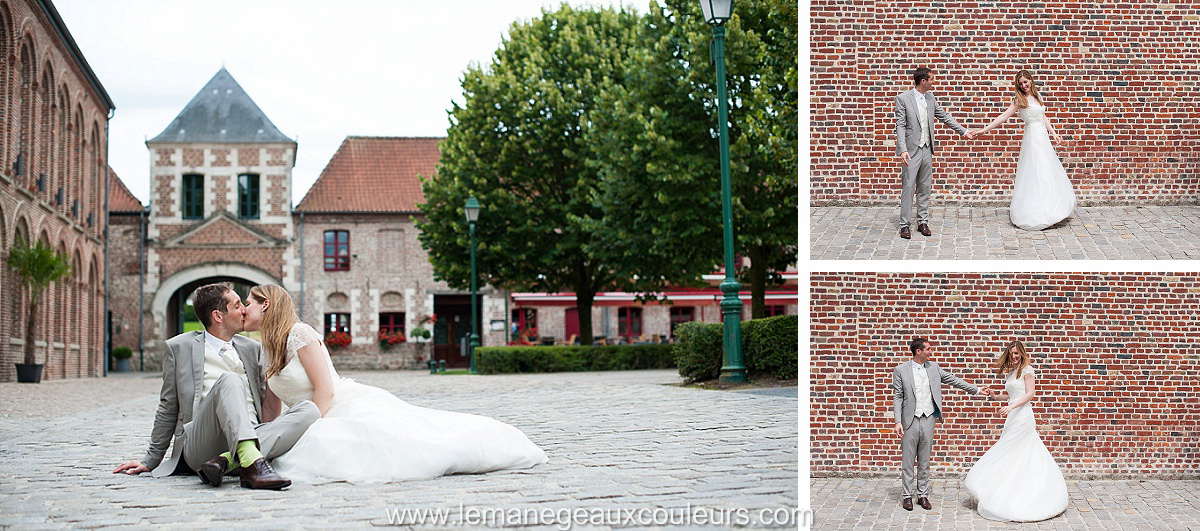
x=370, y=435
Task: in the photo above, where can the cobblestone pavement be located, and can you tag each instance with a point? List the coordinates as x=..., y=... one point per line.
x=625, y=450
x=874, y=503
x=985, y=233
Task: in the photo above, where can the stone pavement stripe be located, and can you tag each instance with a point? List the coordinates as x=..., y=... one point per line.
x=874, y=503
x=615, y=440
x=984, y=233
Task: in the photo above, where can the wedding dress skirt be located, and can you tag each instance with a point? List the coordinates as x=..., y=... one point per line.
x=370, y=435
x=1042, y=193
x=1017, y=479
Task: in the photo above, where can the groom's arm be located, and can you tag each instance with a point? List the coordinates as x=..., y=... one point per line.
x=167, y=416
x=942, y=116
x=901, y=126
x=897, y=397
x=955, y=381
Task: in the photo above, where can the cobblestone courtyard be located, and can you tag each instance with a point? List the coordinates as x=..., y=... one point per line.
x=624, y=448
x=985, y=233
x=874, y=503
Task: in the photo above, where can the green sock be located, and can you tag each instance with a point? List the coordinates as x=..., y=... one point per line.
x=247, y=452
x=229, y=459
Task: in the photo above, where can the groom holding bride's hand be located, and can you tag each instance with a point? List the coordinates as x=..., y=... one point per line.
x=917, y=403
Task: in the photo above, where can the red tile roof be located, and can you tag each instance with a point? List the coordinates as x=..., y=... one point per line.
x=120, y=199
x=374, y=174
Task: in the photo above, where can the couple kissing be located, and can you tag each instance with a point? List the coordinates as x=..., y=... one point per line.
x=222, y=412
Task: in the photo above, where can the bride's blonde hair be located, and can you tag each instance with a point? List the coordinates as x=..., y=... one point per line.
x=277, y=321
x=1005, y=366
x=1019, y=97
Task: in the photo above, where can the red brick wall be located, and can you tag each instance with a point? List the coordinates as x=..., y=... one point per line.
x=1122, y=82
x=1118, y=372
x=61, y=133
x=125, y=281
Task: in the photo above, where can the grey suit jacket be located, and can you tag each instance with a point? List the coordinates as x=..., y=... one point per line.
x=183, y=383
x=908, y=121
x=904, y=396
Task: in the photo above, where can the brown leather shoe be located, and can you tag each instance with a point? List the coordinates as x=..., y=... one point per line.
x=924, y=502
x=924, y=229
x=260, y=475
x=905, y=233
x=907, y=504
x=213, y=470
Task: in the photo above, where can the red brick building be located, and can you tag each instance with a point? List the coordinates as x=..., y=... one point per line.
x=1122, y=84
x=127, y=224
x=1115, y=355
x=363, y=268
x=53, y=162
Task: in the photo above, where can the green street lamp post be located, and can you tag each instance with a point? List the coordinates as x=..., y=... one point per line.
x=733, y=369
x=473, y=215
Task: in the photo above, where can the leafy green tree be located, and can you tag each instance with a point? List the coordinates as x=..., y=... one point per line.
x=518, y=145
x=667, y=120
x=37, y=266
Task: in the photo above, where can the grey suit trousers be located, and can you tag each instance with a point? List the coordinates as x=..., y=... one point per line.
x=916, y=445
x=917, y=177
x=222, y=421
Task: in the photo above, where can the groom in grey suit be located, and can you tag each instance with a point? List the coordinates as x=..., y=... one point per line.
x=916, y=110
x=213, y=408
x=917, y=403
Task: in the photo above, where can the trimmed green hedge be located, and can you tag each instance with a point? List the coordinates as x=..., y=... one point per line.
x=768, y=346
x=499, y=360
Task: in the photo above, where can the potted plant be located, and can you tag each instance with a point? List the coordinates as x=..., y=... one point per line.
x=37, y=266
x=386, y=340
x=121, y=357
x=336, y=340
x=420, y=332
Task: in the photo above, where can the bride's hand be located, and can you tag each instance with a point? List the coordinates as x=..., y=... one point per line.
x=1005, y=410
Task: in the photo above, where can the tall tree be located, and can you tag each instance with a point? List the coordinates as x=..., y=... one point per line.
x=674, y=120
x=517, y=144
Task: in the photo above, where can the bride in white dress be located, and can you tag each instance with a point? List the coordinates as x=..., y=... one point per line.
x=1042, y=194
x=367, y=434
x=1017, y=478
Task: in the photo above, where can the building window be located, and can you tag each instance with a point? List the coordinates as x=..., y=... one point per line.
x=681, y=314
x=193, y=196
x=248, y=196
x=629, y=322
x=390, y=323
x=774, y=311
x=524, y=325
x=337, y=250
x=337, y=322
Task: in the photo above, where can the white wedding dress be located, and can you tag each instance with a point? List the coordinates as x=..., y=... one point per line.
x=1017, y=479
x=370, y=435
x=1042, y=194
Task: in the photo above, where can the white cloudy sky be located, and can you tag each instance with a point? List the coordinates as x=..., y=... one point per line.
x=320, y=70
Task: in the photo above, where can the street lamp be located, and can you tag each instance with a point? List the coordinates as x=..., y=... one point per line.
x=472, y=215
x=733, y=370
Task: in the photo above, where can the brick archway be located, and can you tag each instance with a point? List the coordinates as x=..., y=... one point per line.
x=194, y=275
